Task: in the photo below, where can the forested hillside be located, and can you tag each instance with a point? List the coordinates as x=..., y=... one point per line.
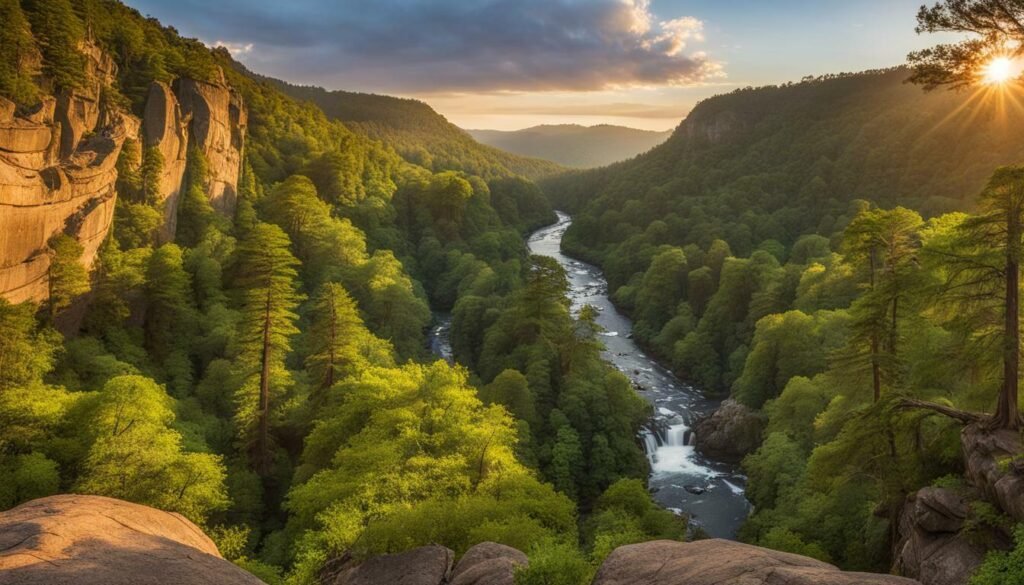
x=247, y=344
x=418, y=133
x=573, y=145
x=834, y=256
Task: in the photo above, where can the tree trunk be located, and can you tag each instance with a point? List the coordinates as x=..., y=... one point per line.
x=894, y=335
x=876, y=369
x=329, y=377
x=1007, y=412
x=263, y=433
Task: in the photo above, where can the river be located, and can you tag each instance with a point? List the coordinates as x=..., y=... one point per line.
x=710, y=492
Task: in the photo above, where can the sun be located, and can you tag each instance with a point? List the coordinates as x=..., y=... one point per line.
x=998, y=71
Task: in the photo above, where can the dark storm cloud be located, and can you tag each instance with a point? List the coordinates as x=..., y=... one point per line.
x=450, y=45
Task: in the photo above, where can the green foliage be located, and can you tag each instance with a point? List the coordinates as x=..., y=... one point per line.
x=625, y=514
x=555, y=563
x=1003, y=568
x=59, y=32
x=136, y=455
x=26, y=353
x=408, y=456
x=66, y=277
x=17, y=51
x=266, y=281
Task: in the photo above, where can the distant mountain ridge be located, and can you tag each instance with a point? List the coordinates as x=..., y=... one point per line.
x=418, y=133
x=574, y=145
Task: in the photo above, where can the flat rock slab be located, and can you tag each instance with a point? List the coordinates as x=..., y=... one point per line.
x=92, y=540
x=721, y=562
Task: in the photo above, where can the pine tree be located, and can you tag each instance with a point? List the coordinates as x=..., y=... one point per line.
x=66, y=276
x=267, y=281
x=885, y=242
x=150, y=173
x=995, y=26
x=984, y=273
x=170, y=315
x=59, y=32
x=339, y=341
x=16, y=48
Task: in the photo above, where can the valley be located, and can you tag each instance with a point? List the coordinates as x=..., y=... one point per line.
x=268, y=314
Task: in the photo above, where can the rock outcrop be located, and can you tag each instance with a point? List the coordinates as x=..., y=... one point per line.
x=164, y=127
x=722, y=562
x=731, y=432
x=704, y=562
x=91, y=540
x=994, y=463
x=57, y=174
x=931, y=545
x=218, y=121
x=58, y=164
x=488, y=563
x=427, y=565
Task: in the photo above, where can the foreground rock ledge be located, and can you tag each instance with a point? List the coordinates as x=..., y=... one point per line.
x=91, y=540
x=721, y=562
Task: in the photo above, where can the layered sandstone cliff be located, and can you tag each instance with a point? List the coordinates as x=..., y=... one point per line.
x=165, y=128
x=58, y=164
x=57, y=174
x=217, y=122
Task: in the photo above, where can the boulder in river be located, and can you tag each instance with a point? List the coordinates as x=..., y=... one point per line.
x=731, y=432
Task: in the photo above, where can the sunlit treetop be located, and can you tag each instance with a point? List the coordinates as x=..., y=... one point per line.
x=990, y=56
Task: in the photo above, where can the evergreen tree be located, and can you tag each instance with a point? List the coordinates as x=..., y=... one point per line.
x=25, y=353
x=170, y=316
x=266, y=280
x=150, y=173
x=66, y=276
x=17, y=49
x=885, y=243
x=994, y=27
x=59, y=33
x=984, y=278
x=339, y=342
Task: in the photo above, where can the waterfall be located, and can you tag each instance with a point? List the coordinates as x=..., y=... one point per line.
x=675, y=436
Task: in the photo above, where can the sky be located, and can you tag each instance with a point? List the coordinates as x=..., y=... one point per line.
x=510, y=64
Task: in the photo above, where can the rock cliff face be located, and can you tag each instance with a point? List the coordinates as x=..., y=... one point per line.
x=931, y=543
x=165, y=128
x=57, y=173
x=58, y=164
x=91, y=540
x=994, y=462
x=218, y=121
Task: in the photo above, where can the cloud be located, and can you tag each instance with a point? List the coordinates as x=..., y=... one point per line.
x=418, y=46
x=236, y=49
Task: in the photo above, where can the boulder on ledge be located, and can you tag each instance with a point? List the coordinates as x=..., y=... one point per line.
x=488, y=563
